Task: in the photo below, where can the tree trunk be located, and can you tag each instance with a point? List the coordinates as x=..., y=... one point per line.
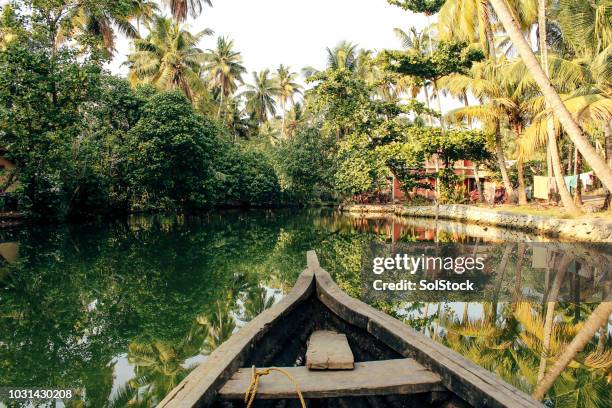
x=598, y=164
x=489, y=31
x=426, y=92
x=284, y=114
x=522, y=192
x=478, y=184
x=578, y=193
x=553, y=148
x=599, y=316
x=437, y=91
x=566, y=197
x=501, y=162
x=550, y=313
x=608, y=151
x=522, y=247
x=220, y=104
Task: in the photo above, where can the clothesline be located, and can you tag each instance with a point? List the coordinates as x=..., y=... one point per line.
x=543, y=186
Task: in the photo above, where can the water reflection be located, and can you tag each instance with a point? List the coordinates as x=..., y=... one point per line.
x=125, y=311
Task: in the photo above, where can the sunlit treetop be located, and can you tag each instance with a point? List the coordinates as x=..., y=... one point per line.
x=448, y=58
x=419, y=6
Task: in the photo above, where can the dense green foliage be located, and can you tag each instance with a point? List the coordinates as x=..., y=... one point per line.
x=419, y=6
x=85, y=142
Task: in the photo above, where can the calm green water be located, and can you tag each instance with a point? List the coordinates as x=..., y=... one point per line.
x=123, y=311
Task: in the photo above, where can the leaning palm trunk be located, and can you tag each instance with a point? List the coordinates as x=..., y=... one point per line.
x=598, y=164
x=522, y=192
x=599, y=316
x=550, y=313
x=553, y=148
x=578, y=193
x=501, y=162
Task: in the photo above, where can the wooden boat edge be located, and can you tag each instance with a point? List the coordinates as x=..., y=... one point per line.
x=199, y=388
x=473, y=383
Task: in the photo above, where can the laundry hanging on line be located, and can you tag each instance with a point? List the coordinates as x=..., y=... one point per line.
x=571, y=182
x=541, y=187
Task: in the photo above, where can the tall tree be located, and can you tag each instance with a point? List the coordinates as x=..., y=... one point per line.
x=169, y=58
x=468, y=20
x=224, y=70
x=143, y=11
x=416, y=42
x=180, y=9
x=600, y=316
x=552, y=147
x=598, y=164
x=504, y=102
x=287, y=89
x=260, y=95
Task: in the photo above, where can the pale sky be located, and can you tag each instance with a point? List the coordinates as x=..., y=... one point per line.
x=296, y=32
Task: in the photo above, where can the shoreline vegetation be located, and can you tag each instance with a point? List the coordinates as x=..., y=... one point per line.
x=190, y=128
x=580, y=229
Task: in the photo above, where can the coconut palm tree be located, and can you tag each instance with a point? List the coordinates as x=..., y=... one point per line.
x=180, y=9
x=255, y=301
x=143, y=11
x=287, y=89
x=296, y=117
x=584, y=26
x=598, y=164
x=169, y=58
x=553, y=148
x=468, y=20
x=343, y=55
x=219, y=326
x=415, y=42
x=505, y=102
x=95, y=20
x=260, y=95
x=224, y=70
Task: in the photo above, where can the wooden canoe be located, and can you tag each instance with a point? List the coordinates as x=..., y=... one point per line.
x=395, y=366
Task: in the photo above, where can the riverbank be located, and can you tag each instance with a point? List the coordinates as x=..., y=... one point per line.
x=586, y=229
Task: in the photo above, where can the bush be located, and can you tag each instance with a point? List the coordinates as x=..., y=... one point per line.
x=245, y=177
x=169, y=155
x=306, y=163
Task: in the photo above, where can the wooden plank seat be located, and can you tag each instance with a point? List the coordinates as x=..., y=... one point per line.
x=386, y=377
x=328, y=350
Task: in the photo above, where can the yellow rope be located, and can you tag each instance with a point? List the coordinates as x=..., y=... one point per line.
x=249, y=397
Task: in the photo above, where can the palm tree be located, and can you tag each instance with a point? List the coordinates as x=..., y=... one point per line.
x=219, y=326
x=416, y=42
x=343, y=55
x=505, y=101
x=143, y=11
x=287, y=89
x=224, y=70
x=553, y=148
x=168, y=58
x=468, y=20
x=599, y=316
x=95, y=20
x=296, y=117
x=598, y=164
x=181, y=8
x=260, y=96
x=255, y=301
x=584, y=25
